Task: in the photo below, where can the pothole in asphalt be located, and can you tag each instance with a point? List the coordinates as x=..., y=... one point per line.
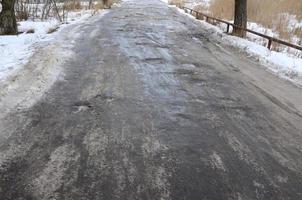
x=195, y=78
x=81, y=106
x=153, y=59
x=185, y=71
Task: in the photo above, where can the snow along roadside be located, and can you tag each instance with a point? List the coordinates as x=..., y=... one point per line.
x=22, y=88
x=282, y=64
x=15, y=51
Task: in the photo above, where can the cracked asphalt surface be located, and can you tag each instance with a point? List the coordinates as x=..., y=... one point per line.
x=150, y=106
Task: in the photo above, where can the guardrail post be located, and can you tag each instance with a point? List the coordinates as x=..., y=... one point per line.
x=228, y=28
x=269, y=44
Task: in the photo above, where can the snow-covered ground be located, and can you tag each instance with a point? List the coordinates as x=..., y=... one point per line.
x=16, y=50
x=29, y=82
x=193, y=3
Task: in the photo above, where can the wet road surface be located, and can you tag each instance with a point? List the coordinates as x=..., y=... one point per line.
x=149, y=107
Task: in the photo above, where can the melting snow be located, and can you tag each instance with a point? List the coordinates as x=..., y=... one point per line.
x=16, y=50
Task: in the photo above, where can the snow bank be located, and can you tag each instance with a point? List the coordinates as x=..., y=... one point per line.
x=165, y=1
x=16, y=50
x=193, y=3
x=283, y=64
x=24, y=87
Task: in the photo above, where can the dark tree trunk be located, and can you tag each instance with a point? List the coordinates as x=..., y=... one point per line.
x=106, y=3
x=8, y=24
x=240, y=17
x=90, y=4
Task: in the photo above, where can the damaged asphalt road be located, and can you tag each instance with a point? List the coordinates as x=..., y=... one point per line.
x=147, y=106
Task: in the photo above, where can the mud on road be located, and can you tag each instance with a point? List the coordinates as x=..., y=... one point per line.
x=140, y=111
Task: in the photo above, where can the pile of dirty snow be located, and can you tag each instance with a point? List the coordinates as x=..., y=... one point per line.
x=15, y=50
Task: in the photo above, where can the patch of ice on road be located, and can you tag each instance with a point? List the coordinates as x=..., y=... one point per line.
x=217, y=162
x=94, y=33
x=257, y=184
x=282, y=179
x=51, y=179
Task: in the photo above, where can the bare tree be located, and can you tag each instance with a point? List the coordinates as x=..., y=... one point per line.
x=240, y=17
x=8, y=24
x=90, y=4
x=51, y=6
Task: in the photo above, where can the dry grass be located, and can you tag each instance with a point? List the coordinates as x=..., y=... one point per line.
x=72, y=5
x=259, y=10
x=101, y=4
x=177, y=2
x=202, y=8
x=98, y=5
x=52, y=30
x=22, y=15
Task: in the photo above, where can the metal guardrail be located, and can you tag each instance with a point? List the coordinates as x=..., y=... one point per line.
x=270, y=39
